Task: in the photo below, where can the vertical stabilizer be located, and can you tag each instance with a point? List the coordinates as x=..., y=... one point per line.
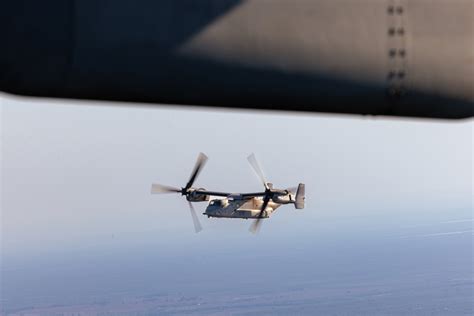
x=299, y=202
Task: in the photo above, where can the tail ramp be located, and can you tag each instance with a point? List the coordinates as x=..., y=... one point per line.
x=299, y=202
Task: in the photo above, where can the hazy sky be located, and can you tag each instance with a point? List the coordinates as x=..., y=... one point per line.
x=76, y=179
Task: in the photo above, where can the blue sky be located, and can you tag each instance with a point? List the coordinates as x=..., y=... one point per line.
x=76, y=182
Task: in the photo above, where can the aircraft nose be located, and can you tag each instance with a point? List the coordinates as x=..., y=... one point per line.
x=208, y=212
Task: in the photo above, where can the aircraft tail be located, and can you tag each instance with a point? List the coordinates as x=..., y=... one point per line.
x=299, y=200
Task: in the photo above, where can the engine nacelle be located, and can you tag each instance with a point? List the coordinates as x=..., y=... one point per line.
x=194, y=196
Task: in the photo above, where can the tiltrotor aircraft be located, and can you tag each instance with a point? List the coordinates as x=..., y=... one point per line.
x=256, y=205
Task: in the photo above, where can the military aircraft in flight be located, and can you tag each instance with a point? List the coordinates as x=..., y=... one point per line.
x=256, y=205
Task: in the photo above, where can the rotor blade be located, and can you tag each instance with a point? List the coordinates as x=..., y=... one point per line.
x=197, y=224
x=258, y=170
x=159, y=188
x=201, y=161
x=255, y=227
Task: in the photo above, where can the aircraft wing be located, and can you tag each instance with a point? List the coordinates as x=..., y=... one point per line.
x=348, y=56
x=236, y=196
x=251, y=195
x=212, y=193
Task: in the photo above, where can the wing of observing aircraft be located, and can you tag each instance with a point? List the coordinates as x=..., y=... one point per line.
x=410, y=58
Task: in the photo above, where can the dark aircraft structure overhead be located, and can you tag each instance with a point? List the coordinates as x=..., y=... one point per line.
x=412, y=58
